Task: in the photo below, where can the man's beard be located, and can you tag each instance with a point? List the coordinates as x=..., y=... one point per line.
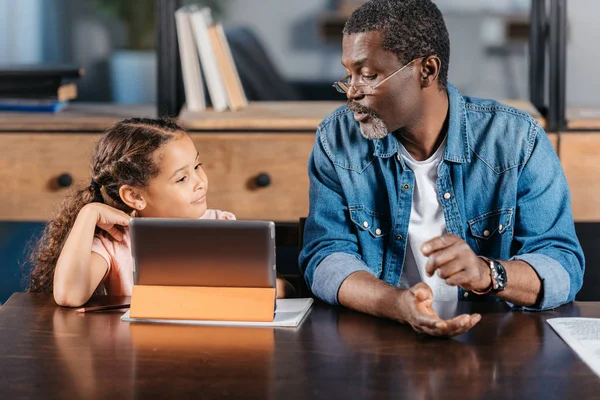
x=376, y=129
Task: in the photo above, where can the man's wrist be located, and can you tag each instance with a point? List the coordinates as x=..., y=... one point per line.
x=400, y=312
x=487, y=282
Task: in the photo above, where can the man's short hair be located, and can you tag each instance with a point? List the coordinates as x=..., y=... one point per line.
x=412, y=29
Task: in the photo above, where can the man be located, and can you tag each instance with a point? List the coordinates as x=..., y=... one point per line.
x=418, y=193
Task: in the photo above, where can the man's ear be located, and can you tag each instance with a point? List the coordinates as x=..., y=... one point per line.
x=133, y=197
x=430, y=69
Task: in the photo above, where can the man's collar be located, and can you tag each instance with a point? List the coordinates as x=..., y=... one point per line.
x=457, y=145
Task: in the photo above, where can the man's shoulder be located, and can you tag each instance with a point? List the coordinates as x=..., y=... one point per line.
x=501, y=135
x=497, y=113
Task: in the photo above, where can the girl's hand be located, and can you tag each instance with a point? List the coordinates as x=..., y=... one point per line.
x=107, y=218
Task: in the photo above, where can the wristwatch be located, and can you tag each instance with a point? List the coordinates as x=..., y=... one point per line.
x=498, y=275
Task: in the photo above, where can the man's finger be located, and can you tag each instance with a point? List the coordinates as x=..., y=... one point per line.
x=467, y=323
x=450, y=269
x=438, y=243
x=455, y=326
x=459, y=279
x=441, y=259
x=421, y=295
x=427, y=322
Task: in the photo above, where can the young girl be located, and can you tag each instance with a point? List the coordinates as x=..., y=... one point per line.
x=141, y=167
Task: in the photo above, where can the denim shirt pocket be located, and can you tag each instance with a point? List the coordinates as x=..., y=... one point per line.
x=377, y=224
x=490, y=230
x=373, y=229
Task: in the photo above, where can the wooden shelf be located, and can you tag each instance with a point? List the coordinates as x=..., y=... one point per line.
x=583, y=118
x=261, y=116
x=79, y=117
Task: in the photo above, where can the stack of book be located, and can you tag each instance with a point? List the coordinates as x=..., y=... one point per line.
x=38, y=88
x=204, y=51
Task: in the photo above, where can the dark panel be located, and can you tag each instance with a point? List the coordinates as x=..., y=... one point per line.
x=537, y=54
x=170, y=95
x=589, y=237
x=16, y=240
x=558, y=66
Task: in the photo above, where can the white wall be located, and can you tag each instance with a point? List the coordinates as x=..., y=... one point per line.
x=283, y=26
x=583, y=55
x=276, y=23
x=20, y=41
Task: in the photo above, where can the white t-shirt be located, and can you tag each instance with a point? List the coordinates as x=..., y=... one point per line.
x=426, y=222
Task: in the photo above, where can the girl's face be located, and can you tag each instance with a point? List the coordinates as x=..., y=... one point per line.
x=179, y=190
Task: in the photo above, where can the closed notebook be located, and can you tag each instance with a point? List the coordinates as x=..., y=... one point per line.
x=289, y=313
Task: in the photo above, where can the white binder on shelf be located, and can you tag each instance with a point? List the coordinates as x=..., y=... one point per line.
x=201, y=19
x=190, y=64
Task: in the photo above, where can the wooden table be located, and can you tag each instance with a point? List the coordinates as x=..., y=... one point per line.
x=51, y=352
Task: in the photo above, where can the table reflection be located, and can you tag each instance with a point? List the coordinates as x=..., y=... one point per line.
x=89, y=345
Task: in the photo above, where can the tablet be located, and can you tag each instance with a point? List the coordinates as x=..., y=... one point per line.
x=195, y=252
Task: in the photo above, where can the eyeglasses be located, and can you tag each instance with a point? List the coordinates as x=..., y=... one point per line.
x=344, y=85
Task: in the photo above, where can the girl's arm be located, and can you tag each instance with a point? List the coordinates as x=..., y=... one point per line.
x=79, y=271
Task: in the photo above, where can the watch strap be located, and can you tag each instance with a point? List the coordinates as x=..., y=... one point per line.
x=491, y=287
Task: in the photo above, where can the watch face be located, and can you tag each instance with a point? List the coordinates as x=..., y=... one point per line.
x=499, y=276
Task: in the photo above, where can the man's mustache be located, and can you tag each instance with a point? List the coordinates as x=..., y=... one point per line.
x=361, y=109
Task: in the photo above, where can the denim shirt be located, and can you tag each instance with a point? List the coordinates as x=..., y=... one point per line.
x=501, y=187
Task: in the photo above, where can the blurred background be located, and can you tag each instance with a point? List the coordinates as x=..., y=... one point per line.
x=115, y=42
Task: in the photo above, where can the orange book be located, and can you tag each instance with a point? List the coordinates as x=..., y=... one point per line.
x=231, y=79
x=203, y=303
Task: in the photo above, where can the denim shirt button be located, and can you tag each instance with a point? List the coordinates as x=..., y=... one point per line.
x=466, y=294
x=405, y=186
x=398, y=156
x=398, y=237
x=500, y=227
x=486, y=233
x=378, y=231
x=447, y=195
x=366, y=224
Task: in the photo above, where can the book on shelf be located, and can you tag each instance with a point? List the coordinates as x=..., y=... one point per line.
x=64, y=92
x=201, y=20
x=28, y=105
x=38, y=88
x=231, y=79
x=190, y=65
x=216, y=66
x=40, y=78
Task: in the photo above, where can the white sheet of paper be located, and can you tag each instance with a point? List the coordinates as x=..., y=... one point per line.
x=288, y=313
x=583, y=336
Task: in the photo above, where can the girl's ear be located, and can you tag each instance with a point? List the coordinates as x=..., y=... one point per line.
x=133, y=197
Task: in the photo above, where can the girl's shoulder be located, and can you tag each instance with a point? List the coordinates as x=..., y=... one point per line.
x=218, y=214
